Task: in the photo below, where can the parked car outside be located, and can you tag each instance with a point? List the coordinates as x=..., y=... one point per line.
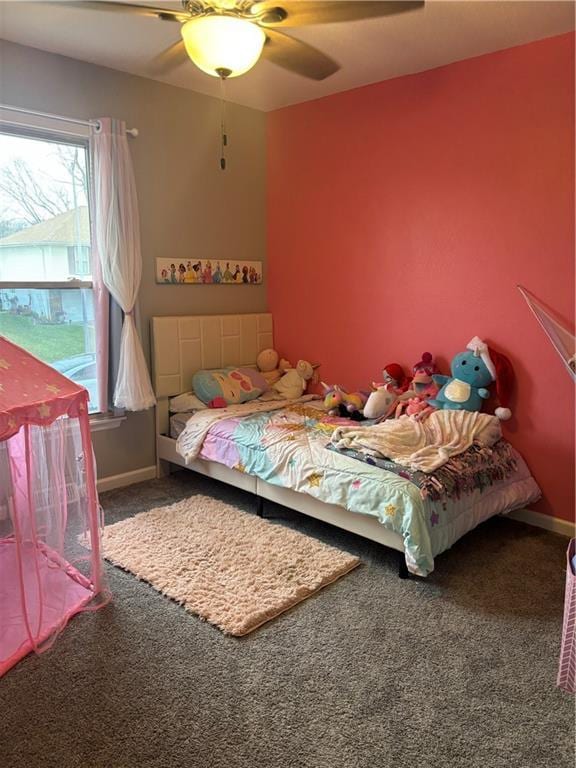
x=82, y=370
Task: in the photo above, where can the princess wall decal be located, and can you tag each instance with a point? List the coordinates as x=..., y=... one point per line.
x=208, y=272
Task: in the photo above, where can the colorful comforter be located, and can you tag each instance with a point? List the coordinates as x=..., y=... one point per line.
x=287, y=446
x=478, y=467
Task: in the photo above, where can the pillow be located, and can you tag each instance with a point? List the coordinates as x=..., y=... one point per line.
x=228, y=386
x=186, y=402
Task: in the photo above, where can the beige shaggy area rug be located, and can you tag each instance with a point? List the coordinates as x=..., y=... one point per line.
x=229, y=567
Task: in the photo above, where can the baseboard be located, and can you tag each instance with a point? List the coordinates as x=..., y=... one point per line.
x=126, y=478
x=555, y=524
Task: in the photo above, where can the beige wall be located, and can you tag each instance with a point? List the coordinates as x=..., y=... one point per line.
x=189, y=208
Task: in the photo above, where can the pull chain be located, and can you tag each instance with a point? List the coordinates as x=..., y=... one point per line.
x=223, y=135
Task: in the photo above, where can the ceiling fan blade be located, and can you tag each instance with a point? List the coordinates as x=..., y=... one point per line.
x=299, y=13
x=297, y=56
x=169, y=59
x=166, y=14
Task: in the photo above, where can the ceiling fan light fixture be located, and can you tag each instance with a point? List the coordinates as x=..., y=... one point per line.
x=220, y=43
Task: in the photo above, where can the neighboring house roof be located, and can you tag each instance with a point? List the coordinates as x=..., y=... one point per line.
x=63, y=229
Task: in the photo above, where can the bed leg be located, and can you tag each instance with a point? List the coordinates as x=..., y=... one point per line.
x=163, y=468
x=403, y=572
x=260, y=506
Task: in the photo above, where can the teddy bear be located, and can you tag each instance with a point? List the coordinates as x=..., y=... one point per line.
x=472, y=373
x=271, y=366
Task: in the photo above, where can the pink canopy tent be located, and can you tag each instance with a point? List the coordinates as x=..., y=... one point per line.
x=50, y=527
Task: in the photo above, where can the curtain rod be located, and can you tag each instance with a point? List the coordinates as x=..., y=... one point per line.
x=73, y=120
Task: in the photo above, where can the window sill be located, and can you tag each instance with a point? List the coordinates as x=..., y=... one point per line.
x=102, y=421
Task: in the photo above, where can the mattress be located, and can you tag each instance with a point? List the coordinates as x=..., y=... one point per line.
x=178, y=422
x=288, y=448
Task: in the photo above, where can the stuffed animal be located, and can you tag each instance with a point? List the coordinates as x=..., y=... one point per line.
x=333, y=397
x=416, y=401
x=271, y=366
x=394, y=376
x=267, y=362
x=414, y=406
x=340, y=402
x=426, y=365
x=293, y=382
x=423, y=385
x=354, y=402
x=381, y=403
x=472, y=373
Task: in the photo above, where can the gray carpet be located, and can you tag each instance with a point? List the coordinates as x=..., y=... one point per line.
x=373, y=672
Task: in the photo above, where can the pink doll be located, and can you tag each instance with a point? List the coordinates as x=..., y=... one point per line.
x=423, y=382
x=426, y=365
x=423, y=386
x=414, y=406
x=423, y=389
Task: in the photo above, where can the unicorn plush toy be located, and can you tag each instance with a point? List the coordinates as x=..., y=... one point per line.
x=340, y=402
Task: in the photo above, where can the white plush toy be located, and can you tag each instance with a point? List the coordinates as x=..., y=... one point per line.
x=293, y=383
x=381, y=403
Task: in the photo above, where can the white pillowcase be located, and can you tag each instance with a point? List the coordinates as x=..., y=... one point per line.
x=186, y=402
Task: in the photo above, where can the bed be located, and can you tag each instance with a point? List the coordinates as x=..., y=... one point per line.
x=279, y=452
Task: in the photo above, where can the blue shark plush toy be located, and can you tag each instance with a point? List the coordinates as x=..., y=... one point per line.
x=472, y=373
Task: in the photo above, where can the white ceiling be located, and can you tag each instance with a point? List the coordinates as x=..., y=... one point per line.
x=368, y=51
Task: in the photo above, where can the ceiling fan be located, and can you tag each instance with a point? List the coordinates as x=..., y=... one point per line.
x=225, y=38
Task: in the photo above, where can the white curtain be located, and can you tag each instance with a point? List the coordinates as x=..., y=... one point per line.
x=117, y=244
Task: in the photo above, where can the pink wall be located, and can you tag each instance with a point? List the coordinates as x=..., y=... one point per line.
x=402, y=215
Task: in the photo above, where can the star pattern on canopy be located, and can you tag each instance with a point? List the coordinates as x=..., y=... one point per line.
x=44, y=410
x=34, y=392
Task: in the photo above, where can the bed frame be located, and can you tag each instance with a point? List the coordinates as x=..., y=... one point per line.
x=183, y=345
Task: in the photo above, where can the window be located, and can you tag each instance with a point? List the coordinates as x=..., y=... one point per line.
x=46, y=302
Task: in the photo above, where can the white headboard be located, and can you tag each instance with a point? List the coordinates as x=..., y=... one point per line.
x=183, y=345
